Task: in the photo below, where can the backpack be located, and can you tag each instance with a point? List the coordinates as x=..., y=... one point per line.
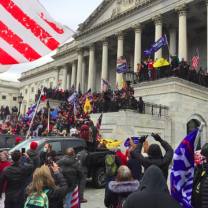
x=121, y=202
x=110, y=165
x=40, y=201
x=84, y=132
x=80, y=158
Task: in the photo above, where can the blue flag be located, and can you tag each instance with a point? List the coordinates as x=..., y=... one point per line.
x=29, y=115
x=72, y=89
x=148, y=52
x=72, y=99
x=79, y=92
x=135, y=140
x=182, y=174
x=54, y=113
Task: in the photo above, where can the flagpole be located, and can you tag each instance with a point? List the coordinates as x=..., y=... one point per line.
x=167, y=43
x=198, y=135
x=48, y=116
x=34, y=114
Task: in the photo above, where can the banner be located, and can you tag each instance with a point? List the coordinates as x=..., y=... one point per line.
x=72, y=98
x=121, y=65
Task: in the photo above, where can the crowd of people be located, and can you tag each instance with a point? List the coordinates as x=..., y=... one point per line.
x=179, y=68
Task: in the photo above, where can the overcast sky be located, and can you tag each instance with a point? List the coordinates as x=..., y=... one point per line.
x=68, y=12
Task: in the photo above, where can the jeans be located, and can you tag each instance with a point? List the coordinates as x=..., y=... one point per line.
x=15, y=202
x=82, y=183
x=108, y=179
x=68, y=199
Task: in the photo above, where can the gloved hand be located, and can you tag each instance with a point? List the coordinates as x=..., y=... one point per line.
x=142, y=139
x=156, y=137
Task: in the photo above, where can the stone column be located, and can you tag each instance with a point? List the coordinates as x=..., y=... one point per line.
x=120, y=52
x=68, y=80
x=84, y=81
x=57, y=76
x=74, y=73
x=158, y=20
x=64, y=80
x=91, y=67
x=182, y=33
x=172, y=41
x=104, y=73
x=79, y=67
x=138, y=46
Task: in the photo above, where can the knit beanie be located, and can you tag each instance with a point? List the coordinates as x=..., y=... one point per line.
x=33, y=145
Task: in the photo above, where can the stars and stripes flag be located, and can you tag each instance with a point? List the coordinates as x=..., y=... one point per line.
x=75, y=198
x=195, y=59
x=99, y=121
x=106, y=82
x=182, y=174
x=88, y=94
x=28, y=32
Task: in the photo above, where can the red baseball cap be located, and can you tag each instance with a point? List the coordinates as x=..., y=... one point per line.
x=18, y=139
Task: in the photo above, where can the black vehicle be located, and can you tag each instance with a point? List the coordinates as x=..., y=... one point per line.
x=8, y=141
x=61, y=144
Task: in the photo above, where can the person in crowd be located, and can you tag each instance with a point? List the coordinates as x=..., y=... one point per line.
x=200, y=184
x=94, y=137
x=103, y=145
x=201, y=74
x=47, y=154
x=140, y=105
x=121, y=156
x=153, y=192
x=73, y=131
x=174, y=61
x=84, y=159
x=16, y=176
x=134, y=165
x=18, y=140
x=121, y=188
x=155, y=156
x=111, y=163
x=14, y=112
x=55, y=188
x=4, y=156
x=72, y=171
x=33, y=154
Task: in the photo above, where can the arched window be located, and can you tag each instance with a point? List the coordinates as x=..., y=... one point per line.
x=191, y=126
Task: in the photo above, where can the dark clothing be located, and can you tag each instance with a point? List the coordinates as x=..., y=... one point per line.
x=135, y=166
x=34, y=157
x=71, y=169
x=155, y=156
x=16, y=176
x=153, y=192
x=14, y=202
x=44, y=156
x=119, y=189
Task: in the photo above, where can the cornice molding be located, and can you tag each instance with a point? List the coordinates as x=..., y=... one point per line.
x=182, y=9
x=138, y=27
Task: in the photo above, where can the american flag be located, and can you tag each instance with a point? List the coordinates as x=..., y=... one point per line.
x=98, y=127
x=106, y=82
x=88, y=94
x=195, y=59
x=75, y=198
x=121, y=60
x=28, y=32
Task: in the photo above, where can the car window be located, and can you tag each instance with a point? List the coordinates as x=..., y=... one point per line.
x=74, y=143
x=205, y=146
x=55, y=146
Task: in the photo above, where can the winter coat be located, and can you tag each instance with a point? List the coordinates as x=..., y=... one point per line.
x=122, y=157
x=135, y=166
x=34, y=157
x=117, y=161
x=72, y=169
x=2, y=166
x=45, y=155
x=120, y=189
x=153, y=192
x=155, y=156
x=85, y=160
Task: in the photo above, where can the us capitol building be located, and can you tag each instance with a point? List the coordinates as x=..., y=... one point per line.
x=128, y=27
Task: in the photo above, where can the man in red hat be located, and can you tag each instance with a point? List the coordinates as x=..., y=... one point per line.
x=18, y=140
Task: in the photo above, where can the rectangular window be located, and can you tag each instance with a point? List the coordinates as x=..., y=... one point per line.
x=55, y=146
x=3, y=97
x=25, y=109
x=32, y=89
x=14, y=99
x=25, y=91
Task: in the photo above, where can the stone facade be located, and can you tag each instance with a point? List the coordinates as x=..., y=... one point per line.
x=9, y=92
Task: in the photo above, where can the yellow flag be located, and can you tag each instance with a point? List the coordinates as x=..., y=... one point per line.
x=161, y=62
x=122, y=83
x=87, y=106
x=113, y=144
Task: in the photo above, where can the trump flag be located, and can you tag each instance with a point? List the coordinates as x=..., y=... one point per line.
x=182, y=173
x=28, y=32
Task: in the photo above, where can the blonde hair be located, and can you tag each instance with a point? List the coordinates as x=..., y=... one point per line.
x=41, y=177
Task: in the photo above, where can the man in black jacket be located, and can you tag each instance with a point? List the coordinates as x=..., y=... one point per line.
x=47, y=154
x=16, y=176
x=155, y=154
x=72, y=171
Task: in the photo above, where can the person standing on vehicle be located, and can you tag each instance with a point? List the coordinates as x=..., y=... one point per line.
x=16, y=176
x=121, y=156
x=84, y=159
x=18, y=140
x=47, y=153
x=72, y=171
x=111, y=163
x=94, y=137
x=33, y=154
x=4, y=156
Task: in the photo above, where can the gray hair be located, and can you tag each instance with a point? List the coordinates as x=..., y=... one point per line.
x=118, y=149
x=124, y=174
x=112, y=149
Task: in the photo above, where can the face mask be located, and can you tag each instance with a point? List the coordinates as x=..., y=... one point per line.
x=44, y=150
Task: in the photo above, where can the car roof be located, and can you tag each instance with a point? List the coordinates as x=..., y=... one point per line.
x=55, y=138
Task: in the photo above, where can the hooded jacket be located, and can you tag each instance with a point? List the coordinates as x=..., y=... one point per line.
x=71, y=169
x=122, y=189
x=34, y=157
x=135, y=166
x=153, y=192
x=155, y=156
x=122, y=157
